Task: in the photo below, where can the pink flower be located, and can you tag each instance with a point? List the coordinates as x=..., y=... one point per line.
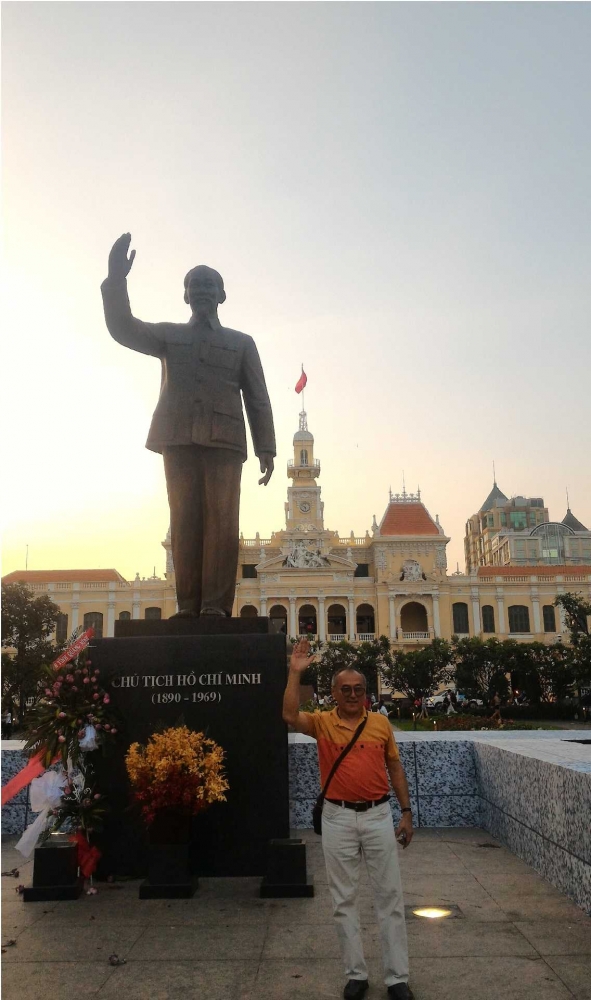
x=113, y=730
x=85, y=671
x=48, y=691
x=106, y=699
x=86, y=680
x=95, y=697
x=96, y=671
x=74, y=688
x=88, y=662
x=106, y=725
x=62, y=715
x=61, y=739
x=98, y=726
x=70, y=678
x=97, y=796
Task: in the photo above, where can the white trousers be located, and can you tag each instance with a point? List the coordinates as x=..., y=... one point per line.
x=346, y=836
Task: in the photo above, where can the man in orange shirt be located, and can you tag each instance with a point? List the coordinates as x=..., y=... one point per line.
x=356, y=819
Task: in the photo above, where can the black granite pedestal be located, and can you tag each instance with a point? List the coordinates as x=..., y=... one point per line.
x=55, y=872
x=228, y=685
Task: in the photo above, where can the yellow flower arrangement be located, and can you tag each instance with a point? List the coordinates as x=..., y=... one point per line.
x=178, y=768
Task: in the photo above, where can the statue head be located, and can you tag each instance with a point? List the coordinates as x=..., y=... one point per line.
x=204, y=288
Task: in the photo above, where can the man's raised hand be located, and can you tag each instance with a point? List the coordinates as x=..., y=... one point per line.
x=301, y=656
x=119, y=262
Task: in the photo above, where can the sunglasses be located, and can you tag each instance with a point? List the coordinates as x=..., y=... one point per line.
x=358, y=690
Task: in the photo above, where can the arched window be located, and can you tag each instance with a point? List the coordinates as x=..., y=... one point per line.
x=303, y=457
x=278, y=616
x=94, y=619
x=488, y=618
x=518, y=618
x=337, y=620
x=248, y=611
x=124, y=616
x=153, y=614
x=366, y=620
x=61, y=629
x=549, y=612
x=460, y=616
x=413, y=618
x=307, y=620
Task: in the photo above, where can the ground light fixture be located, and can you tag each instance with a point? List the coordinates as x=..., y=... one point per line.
x=431, y=912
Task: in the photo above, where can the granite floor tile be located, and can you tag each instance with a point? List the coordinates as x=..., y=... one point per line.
x=483, y=860
x=55, y=980
x=48, y=941
x=551, y=938
x=575, y=973
x=173, y=980
x=182, y=943
x=544, y=907
x=302, y=941
x=512, y=978
x=465, y=938
x=526, y=885
x=17, y=915
x=298, y=979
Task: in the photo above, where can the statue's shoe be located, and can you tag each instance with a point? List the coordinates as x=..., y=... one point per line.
x=186, y=613
x=214, y=611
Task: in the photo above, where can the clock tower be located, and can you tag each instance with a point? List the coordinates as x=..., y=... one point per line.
x=304, y=510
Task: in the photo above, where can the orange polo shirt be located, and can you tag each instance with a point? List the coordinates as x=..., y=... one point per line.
x=362, y=774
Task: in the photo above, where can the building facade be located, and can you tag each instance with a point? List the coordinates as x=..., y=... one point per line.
x=391, y=581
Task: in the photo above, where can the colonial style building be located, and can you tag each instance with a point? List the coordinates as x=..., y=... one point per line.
x=391, y=581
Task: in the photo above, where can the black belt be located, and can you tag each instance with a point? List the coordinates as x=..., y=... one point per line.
x=359, y=807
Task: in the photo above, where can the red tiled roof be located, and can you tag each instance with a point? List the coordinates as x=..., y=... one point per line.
x=534, y=570
x=410, y=518
x=63, y=576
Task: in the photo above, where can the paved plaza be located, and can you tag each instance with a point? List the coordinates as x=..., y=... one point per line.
x=511, y=935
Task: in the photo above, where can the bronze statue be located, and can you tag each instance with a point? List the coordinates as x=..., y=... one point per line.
x=198, y=425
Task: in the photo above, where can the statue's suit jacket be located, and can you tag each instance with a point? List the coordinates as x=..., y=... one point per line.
x=203, y=373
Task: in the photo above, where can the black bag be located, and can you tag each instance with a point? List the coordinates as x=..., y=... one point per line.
x=317, y=809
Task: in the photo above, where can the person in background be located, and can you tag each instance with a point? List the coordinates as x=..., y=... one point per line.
x=382, y=708
x=6, y=724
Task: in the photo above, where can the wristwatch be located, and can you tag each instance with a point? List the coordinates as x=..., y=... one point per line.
x=407, y=809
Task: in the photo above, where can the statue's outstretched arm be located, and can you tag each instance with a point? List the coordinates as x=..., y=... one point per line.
x=122, y=325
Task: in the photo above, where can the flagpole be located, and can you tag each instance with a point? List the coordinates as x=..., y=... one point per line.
x=303, y=393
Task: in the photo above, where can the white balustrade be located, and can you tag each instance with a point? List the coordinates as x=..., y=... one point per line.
x=336, y=636
x=366, y=636
x=415, y=635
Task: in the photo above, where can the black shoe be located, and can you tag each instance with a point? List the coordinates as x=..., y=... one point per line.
x=400, y=991
x=355, y=989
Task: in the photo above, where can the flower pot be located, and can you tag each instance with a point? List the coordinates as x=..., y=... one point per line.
x=169, y=875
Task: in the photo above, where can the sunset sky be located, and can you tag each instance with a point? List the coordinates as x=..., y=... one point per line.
x=396, y=194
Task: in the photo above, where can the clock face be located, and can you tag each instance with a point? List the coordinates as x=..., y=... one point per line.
x=304, y=507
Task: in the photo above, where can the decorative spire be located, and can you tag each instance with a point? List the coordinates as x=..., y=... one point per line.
x=494, y=474
x=567, y=500
x=303, y=421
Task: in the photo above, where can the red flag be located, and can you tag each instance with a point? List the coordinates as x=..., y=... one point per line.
x=301, y=382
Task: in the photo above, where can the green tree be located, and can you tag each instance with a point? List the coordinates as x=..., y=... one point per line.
x=479, y=667
x=372, y=658
x=27, y=624
x=420, y=672
x=576, y=613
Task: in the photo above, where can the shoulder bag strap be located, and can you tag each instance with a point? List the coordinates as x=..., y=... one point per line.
x=342, y=756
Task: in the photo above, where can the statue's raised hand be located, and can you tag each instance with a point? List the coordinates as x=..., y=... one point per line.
x=119, y=262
